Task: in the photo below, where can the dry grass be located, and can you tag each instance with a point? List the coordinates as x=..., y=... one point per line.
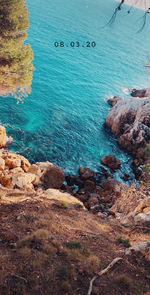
x=47, y=250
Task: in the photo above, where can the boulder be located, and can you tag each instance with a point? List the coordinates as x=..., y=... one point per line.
x=53, y=177
x=144, y=204
x=86, y=173
x=142, y=219
x=111, y=162
x=141, y=92
x=2, y=164
x=43, y=166
x=71, y=179
x=111, y=184
x=6, y=180
x=139, y=247
x=89, y=185
x=93, y=200
x=13, y=160
x=34, y=169
x=23, y=180
x=3, y=136
x=114, y=100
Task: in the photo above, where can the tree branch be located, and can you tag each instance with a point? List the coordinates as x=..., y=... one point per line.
x=102, y=272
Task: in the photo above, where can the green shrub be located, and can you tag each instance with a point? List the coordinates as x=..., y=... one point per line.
x=73, y=245
x=125, y=242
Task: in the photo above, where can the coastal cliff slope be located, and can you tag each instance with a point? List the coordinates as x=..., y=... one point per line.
x=51, y=244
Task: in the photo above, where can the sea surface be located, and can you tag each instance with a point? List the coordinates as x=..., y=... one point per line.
x=62, y=120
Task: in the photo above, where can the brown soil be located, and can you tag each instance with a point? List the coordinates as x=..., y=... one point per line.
x=46, y=249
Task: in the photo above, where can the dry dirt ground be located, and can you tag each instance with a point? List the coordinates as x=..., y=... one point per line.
x=50, y=248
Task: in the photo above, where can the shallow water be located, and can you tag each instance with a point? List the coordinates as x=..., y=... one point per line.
x=62, y=120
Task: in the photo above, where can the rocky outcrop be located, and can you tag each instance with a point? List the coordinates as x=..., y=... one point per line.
x=139, y=247
x=140, y=93
x=132, y=207
x=16, y=172
x=3, y=136
x=111, y=162
x=112, y=101
x=13, y=160
x=129, y=120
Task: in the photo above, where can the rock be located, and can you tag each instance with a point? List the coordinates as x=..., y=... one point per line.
x=140, y=93
x=54, y=194
x=53, y=177
x=110, y=184
x=16, y=171
x=128, y=220
x=114, y=100
x=93, y=200
x=89, y=186
x=43, y=166
x=34, y=168
x=111, y=162
x=130, y=203
x=107, y=198
x=23, y=180
x=71, y=179
x=142, y=219
x=86, y=173
x=100, y=214
x=139, y=247
x=6, y=180
x=2, y=164
x=144, y=204
x=13, y=160
x=3, y=136
x=9, y=140
x=98, y=190
x=129, y=121
x=80, y=183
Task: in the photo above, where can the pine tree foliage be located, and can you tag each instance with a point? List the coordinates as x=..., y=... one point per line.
x=15, y=57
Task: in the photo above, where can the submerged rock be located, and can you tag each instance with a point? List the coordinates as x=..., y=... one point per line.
x=111, y=162
x=86, y=173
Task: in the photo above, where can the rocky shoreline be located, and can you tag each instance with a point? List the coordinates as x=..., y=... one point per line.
x=58, y=231
x=129, y=121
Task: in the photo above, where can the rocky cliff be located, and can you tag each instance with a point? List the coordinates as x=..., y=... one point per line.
x=129, y=121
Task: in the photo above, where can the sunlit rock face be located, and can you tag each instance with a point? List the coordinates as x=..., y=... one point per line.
x=129, y=120
x=15, y=57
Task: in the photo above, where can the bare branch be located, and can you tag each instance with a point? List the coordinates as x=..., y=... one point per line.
x=102, y=272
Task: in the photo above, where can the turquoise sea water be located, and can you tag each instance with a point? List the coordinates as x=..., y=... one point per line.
x=63, y=119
